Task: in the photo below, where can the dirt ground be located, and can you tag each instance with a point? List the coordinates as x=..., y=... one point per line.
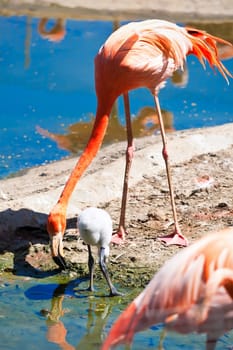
x=200, y=210
x=149, y=213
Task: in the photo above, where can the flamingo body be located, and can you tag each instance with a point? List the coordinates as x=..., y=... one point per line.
x=186, y=290
x=95, y=228
x=139, y=54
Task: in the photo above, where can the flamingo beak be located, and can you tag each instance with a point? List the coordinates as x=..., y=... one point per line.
x=57, y=250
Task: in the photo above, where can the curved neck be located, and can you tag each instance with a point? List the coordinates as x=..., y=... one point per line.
x=91, y=149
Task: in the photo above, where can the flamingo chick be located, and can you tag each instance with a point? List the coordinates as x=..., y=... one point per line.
x=95, y=228
x=185, y=292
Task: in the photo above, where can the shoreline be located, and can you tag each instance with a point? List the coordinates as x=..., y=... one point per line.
x=25, y=202
x=178, y=11
x=99, y=184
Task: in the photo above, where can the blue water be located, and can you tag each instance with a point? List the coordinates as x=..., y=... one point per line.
x=51, y=85
x=47, y=315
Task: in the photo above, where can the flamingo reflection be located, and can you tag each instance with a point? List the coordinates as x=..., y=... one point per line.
x=56, y=33
x=145, y=123
x=57, y=332
x=97, y=315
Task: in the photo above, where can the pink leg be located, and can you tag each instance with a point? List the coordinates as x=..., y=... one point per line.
x=119, y=237
x=176, y=237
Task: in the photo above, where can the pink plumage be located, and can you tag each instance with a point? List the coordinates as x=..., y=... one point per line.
x=189, y=289
x=139, y=54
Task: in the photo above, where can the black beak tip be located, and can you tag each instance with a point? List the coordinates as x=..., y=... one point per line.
x=60, y=261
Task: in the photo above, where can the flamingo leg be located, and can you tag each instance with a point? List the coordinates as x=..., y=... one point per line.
x=91, y=263
x=103, y=267
x=176, y=237
x=161, y=339
x=119, y=237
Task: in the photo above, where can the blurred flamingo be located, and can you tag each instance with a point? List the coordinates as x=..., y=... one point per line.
x=138, y=54
x=193, y=291
x=56, y=33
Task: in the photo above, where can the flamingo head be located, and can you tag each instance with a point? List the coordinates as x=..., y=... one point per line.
x=56, y=225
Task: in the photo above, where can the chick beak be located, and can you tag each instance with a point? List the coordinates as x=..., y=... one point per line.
x=57, y=250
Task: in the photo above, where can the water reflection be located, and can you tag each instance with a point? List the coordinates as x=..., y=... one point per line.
x=98, y=312
x=30, y=312
x=97, y=316
x=56, y=331
x=145, y=123
x=56, y=33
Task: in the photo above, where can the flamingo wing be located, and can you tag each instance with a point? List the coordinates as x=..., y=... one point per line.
x=183, y=289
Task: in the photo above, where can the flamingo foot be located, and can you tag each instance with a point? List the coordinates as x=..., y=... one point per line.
x=119, y=237
x=174, y=239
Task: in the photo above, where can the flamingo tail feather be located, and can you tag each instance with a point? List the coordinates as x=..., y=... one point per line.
x=205, y=48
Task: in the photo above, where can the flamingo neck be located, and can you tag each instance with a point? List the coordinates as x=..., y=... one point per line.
x=90, y=151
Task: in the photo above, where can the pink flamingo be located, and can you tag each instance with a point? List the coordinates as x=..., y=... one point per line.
x=140, y=54
x=191, y=292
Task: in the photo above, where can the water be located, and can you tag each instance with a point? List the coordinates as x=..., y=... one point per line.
x=50, y=85
x=48, y=315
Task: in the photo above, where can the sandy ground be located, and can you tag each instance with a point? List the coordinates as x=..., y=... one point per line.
x=26, y=200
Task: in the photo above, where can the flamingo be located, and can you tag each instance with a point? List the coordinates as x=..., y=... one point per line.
x=188, y=290
x=95, y=228
x=55, y=34
x=138, y=54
